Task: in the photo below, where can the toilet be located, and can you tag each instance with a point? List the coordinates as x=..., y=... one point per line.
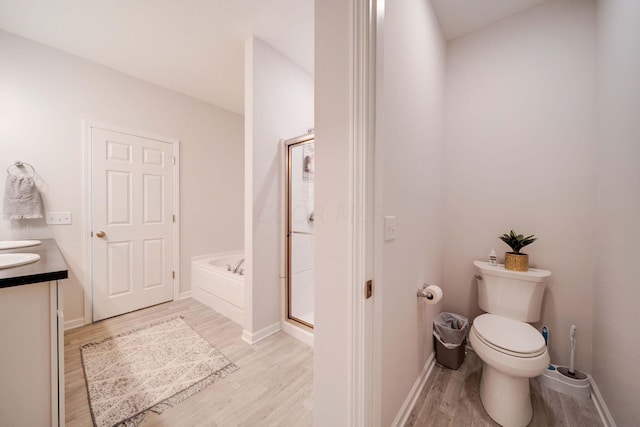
x=512, y=350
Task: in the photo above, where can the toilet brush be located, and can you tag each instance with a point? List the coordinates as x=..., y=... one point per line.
x=570, y=371
x=572, y=337
x=565, y=379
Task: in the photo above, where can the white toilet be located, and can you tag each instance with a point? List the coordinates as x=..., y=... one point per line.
x=512, y=350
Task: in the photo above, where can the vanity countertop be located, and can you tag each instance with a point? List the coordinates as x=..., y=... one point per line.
x=51, y=266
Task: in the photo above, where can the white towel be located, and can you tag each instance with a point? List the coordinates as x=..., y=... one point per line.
x=21, y=198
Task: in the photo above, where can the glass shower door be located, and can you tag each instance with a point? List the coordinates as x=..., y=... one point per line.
x=300, y=217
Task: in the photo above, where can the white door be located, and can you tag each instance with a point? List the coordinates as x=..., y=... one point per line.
x=132, y=190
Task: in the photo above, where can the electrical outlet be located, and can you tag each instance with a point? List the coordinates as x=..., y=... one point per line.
x=59, y=218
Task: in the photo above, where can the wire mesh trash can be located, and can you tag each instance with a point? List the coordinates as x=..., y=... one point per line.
x=450, y=337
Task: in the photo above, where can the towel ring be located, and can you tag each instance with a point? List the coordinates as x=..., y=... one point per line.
x=23, y=167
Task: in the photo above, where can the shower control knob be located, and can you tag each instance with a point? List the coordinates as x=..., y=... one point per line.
x=101, y=234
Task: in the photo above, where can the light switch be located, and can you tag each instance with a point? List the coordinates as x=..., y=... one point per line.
x=58, y=218
x=389, y=228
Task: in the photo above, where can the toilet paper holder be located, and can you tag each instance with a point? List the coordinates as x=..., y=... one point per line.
x=424, y=293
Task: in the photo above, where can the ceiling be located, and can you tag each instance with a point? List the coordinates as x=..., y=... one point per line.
x=459, y=17
x=195, y=47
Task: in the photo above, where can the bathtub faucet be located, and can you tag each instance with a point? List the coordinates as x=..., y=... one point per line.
x=238, y=265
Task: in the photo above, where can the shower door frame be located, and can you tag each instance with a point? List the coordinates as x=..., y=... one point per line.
x=288, y=145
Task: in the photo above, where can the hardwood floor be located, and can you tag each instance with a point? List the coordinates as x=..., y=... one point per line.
x=272, y=387
x=452, y=398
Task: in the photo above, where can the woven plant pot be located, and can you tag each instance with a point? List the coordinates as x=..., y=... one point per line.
x=516, y=262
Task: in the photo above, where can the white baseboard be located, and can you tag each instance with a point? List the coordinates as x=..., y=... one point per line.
x=298, y=333
x=255, y=337
x=601, y=406
x=76, y=323
x=73, y=323
x=410, y=401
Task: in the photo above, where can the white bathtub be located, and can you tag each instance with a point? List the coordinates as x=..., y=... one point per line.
x=213, y=285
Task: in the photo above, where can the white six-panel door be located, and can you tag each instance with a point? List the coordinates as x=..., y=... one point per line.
x=132, y=199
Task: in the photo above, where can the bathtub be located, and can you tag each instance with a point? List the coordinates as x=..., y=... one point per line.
x=214, y=286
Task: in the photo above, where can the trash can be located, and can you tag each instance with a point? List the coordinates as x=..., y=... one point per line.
x=450, y=338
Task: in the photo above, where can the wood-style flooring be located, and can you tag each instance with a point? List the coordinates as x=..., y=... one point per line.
x=452, y=398
x=272, y=387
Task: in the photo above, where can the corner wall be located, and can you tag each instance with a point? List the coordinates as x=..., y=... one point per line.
x=616, y=294
x=45, y=96
x=278, y=106
x=520, y=154
x=411, y=151
x=332, y=260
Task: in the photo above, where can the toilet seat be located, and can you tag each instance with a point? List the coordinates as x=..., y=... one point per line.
x=508, y=336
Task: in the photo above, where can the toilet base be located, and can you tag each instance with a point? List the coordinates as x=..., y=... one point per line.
x=505, y=398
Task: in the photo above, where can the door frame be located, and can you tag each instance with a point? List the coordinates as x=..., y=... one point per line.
x=87, y=279
x=367, y=21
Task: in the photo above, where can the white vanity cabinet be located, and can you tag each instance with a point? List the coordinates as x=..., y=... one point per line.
x=31, y=351
x=32, y=356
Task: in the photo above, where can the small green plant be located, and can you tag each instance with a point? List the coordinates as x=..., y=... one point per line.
x=517, y=241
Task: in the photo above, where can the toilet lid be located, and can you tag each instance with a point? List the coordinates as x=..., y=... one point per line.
x=508, y=334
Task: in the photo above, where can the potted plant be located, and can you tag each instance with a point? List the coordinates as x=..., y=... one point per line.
x=515, y=260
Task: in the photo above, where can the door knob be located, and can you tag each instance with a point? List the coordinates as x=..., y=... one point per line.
x=101, y=234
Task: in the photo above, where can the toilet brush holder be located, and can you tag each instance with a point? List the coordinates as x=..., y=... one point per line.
x=559, y=379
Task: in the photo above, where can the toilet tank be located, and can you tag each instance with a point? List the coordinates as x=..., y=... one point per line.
x=513, y=294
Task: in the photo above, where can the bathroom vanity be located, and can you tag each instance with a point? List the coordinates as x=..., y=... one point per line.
x=32, y=339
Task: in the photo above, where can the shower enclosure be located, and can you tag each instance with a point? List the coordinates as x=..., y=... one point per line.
x=299, y=230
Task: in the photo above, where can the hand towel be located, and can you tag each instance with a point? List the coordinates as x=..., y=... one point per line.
x=21, y=198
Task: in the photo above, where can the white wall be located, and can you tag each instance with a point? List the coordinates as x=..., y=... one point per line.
x=331, y=340
x=520, y=153
x=411, y=146
x=278, y=105
x=615, y=309
x=45, y=96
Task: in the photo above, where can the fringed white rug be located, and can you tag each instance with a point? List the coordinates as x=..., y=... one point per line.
x=148, y=369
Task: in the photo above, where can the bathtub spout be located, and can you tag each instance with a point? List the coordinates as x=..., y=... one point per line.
x=238, y=265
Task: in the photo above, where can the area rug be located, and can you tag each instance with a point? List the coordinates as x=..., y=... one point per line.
x=148, y=369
